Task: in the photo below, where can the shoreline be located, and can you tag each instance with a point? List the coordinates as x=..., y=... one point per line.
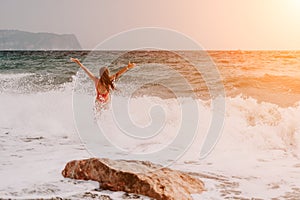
x=47, y=158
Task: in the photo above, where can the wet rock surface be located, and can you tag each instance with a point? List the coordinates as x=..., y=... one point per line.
x=140, y=177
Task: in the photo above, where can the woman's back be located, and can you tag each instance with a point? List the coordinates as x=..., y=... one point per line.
x=102, y=94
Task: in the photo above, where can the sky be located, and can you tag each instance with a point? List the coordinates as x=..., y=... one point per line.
x=214, y=24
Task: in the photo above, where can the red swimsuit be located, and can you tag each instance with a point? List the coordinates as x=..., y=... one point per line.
x=102, y=98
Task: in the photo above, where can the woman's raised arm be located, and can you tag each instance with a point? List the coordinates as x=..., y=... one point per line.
x=90, y=74
x=122, y=71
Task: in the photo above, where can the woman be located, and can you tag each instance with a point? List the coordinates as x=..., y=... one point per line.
x=104, y=83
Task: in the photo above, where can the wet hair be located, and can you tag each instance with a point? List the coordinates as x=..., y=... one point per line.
x=105, y=79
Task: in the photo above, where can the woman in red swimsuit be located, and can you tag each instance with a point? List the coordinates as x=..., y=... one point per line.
x=105, y=83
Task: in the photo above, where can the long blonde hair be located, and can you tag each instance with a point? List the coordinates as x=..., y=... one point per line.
x=105, y=79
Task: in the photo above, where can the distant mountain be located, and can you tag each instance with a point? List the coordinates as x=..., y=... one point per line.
x=21, y=40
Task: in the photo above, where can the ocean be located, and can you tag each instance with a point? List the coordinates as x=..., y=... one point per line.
x=45, y=98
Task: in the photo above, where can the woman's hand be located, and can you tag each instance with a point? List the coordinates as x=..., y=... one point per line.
x=75, y=60
x=90, y=74
x=130, y=65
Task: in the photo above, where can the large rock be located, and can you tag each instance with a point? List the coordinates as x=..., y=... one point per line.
x=135, y=177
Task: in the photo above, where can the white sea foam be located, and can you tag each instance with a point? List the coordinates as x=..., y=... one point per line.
x=263, y=126
x=15, y=75
x=47, y=113
x=256, y=137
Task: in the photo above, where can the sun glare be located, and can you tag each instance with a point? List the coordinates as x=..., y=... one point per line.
x=293, y=5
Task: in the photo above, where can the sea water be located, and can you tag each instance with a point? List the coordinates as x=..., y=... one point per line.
x=257, y=151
